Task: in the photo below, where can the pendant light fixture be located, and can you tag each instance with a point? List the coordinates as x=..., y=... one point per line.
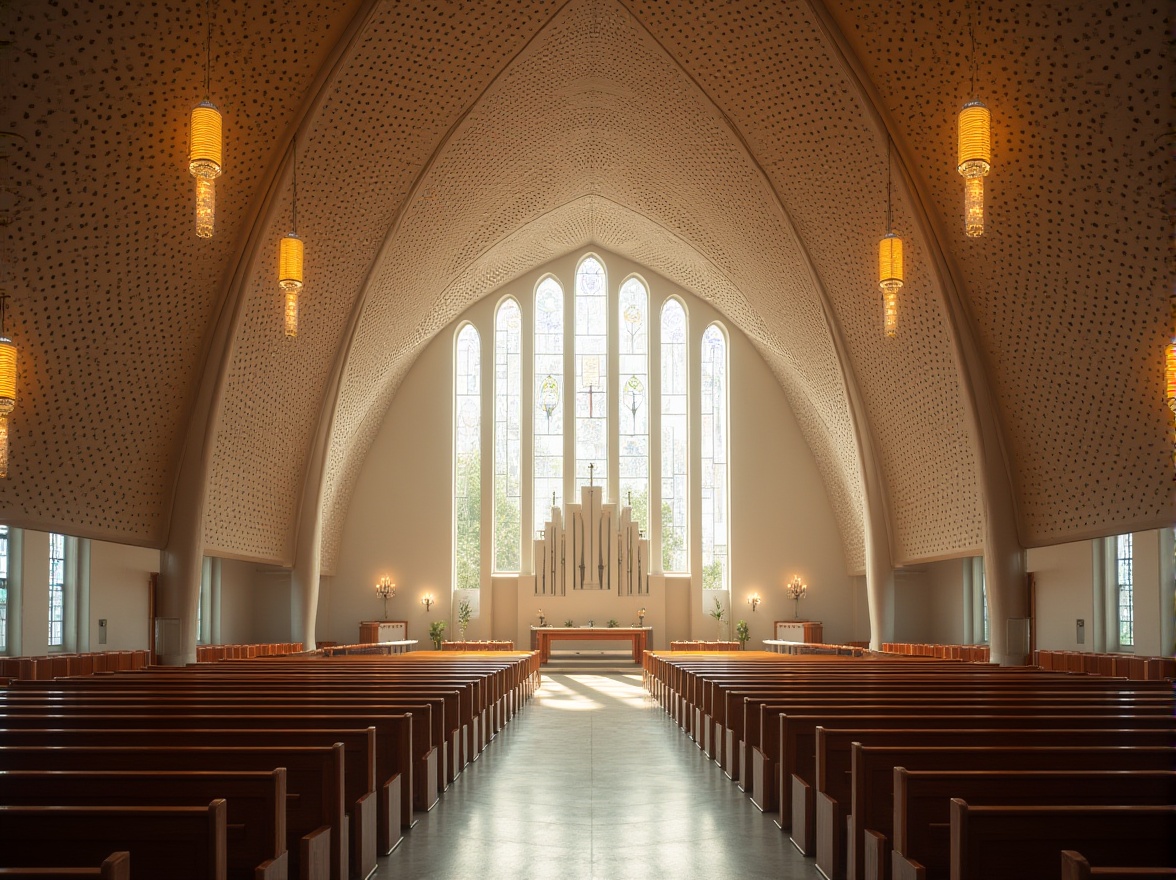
x=205, y=159
x=290, y=260
x=7, y=385
x=889, y=264
x=974, y=149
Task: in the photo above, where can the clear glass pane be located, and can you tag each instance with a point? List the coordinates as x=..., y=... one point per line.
x=1125, y=577
x=549, y=400
x=715, y=574
x=467, y=445
x=508, y=398
x=56, y=588
x=591, y=356
x=675, y=439
x=633, y=362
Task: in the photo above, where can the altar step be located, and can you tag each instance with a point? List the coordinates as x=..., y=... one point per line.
x=589, y=661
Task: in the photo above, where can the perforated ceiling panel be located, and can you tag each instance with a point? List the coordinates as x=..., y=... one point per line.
x=112, y=290
x=593, y=106
x=1067, y=286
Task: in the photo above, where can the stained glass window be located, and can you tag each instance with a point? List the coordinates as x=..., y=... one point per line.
x=675, y=439
x=467, y=444
x=508, y=398
x=56, y=589
x=549, y=398
x=591, y=375
x=715, y=569
x=633, y=365
x=3, y=589
x=1125, y=578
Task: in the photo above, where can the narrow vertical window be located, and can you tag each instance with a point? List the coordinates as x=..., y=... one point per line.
x=675, y=439
x=56, y=589
x=3, y=589
x=1125, y=579
x=591, y=375
x=508, y=397
x=633, y=364
x=715, y=573
x=549, y=397
x=467, y=448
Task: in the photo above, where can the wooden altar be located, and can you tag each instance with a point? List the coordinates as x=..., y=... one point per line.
x=543, y=636
x=371, y=631
x=811, y=631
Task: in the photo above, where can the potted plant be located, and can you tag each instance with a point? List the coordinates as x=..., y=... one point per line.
x=719, y=613
x=465, y=613
x=742, y=633
x=436, y=633
x=613, y=623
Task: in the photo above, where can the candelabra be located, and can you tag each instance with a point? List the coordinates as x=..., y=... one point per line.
x=386, y=590
x=641, y=617
x=797, y=590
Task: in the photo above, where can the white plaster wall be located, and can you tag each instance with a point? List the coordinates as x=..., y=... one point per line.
x=946, y=600
x=237, y=602
x=34, y=620
x=1064, y=575
x=1145, y=548
x=912, y=606
x=271, y=607
x=120, y=578
x=399, y=520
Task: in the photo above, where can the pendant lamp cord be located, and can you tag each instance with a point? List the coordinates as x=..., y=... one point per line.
x=294, y=206
x=208, y=50
x=972, y=40
x=888, y=213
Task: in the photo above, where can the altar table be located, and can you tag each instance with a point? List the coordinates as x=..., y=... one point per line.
x=543, y=636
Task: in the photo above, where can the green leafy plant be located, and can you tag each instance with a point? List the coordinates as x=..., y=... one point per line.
x=568, y=622
x=719, y=613
x=436, y=633
x=465, y=613
x=613, y=622
x=742, y=633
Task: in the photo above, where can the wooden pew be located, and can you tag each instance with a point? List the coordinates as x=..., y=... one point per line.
x=833, y=783
x=393, y=743
x=1076, y=867
x=316, y=820
x=920, y=806
x=180, y=843
x=256, y=805
x=1024, y=843
x=116, y=866
x=359, y=767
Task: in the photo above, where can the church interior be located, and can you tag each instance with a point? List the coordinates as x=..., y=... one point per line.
x=702, y=321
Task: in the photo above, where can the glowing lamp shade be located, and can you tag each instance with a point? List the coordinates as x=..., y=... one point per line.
x=890, y=280
x=205, y=206
x=1170, y=374
x=204, y=155
x=290, y=262
x=290, y=313
x=7, y=396
x=973, y=161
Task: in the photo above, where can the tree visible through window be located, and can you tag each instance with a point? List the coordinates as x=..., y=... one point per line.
x=675, y=438
x=508, y=460
x=467, y=444
x=1125, y=580
x=714, y=459
x=56, y=589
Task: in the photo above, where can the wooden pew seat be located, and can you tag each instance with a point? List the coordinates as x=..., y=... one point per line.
x=1076, y=867
x=116, y=866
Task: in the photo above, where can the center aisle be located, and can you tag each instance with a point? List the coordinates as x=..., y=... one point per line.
x=593, y=780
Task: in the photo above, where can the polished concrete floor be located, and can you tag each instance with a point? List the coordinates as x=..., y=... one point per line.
x=593, y=780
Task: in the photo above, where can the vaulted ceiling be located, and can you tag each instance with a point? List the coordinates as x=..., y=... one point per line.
x=737, y=148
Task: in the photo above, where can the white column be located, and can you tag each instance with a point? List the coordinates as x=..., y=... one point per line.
x=214, y=633
x=34, y=605
x=1097, y=634
x=15, y=591
x=69, y=596
x=968, y=602
x=82, y=596
x=1167, y=609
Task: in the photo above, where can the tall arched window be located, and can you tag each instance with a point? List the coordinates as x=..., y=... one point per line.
x=715, y=567
x=675, y=443
x=633, y=379
x=591, y=374
x=508, y=453
x=549, y=397
x=467, y=470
